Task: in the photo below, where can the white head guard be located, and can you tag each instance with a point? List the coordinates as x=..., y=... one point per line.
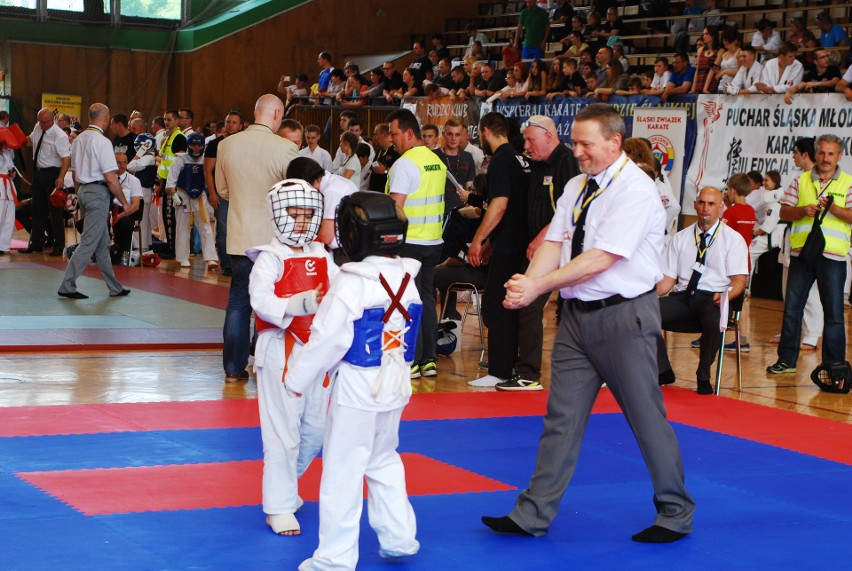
x=294, y=193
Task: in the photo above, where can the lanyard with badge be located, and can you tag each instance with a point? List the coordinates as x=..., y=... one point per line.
x=698, y=268
x=581, y=204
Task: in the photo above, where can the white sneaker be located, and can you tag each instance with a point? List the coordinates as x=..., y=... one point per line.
x=486, y=381
x=184, y=264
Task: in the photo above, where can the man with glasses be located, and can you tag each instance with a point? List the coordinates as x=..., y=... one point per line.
x=552, y=165
x=184, y=120
x=822, y=76
x=391, y=82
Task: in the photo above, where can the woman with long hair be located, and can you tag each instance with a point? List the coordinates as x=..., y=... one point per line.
x=726, y=66
x=351, y=166
x=537, y=84
x=705, y=61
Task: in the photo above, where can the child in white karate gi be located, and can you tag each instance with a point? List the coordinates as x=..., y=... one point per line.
x=287, y=282
x=366, y=331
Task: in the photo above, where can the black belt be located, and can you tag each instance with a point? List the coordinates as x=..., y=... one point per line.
x=607, y=301
x=698, y=291
x=47, y=169
x=100, y=182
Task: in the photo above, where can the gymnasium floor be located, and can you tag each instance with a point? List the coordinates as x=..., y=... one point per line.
x=122, y=447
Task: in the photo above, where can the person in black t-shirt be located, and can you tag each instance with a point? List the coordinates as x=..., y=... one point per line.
x=123, y=138
x=820, y=77
x=392, y=81
x=421, y=67
x=504, y=226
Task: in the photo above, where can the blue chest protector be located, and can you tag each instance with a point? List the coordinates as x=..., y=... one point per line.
x=366, y=349
x=147, y=176
x=191, y=179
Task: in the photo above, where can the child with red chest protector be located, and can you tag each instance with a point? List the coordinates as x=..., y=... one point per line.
x=287, y=282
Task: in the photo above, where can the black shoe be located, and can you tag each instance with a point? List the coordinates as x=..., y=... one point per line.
x=657, y=534
x=504, y=524
x=666, y=378
x=73, y=295
x=55, y=252
x=122, y=293
x=31, y=250
x=705, y=388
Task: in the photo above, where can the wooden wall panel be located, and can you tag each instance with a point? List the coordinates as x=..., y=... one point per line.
x=231, y=72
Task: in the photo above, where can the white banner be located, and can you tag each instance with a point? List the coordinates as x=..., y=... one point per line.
x=757, y=132
x=665, y=127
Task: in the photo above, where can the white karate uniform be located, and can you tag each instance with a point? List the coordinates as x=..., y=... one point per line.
x=291, y=427
x=149, y=218
x=190, y=212
x=362, y=430
x=7, y=199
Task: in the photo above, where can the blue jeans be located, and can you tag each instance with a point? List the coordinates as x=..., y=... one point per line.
x=222, y=234
x=237, y=330
x=830, y=276
x=529, y=52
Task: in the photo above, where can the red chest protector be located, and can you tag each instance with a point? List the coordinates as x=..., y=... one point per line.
x=300, y=274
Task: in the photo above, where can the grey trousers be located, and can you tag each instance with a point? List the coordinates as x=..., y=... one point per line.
x=95, y=200
x=615, y=345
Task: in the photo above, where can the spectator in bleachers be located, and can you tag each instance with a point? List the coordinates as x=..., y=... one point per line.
x=560, y=20
x=296, y=92
x=691, y=24
x=602, y=59
x=554, y=76
x=592, y=29
x=392, y=81
x=534, y=28
x=831, y=34
x=439, y=47
x=766, y=38
x=616, y=80
x=575, y=44
x=474, y=35
x=712, y=13
x=578, y=23
x=661, y=77
x=421, y=67
x=376, y=86
x=781, y=73
x=618, y=53
x=357, y=92
x=324, y=80
x=350, y=167
x=705, y=60
x=444, y=76
x=537, y=82
x=491, y=81
x=682, y=76
x=521, y=76
x=434, y=59
x=313, y=135
x=475, y=53
x=843, y=86
x=797, y=34
x=461, y=81
x=510, y=54
x=338, y=82
x=725, y=68
x=748, y=73
x=820, y=77
x=613, y=27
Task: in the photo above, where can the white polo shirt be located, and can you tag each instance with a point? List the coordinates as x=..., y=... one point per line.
x=333, y=188
x=92, y=156
x=130, y=186
x=627, y=220
x=726, y=256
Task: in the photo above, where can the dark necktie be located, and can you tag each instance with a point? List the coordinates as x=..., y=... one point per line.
x=580, y=228
x=38, y=148
x=699, y=257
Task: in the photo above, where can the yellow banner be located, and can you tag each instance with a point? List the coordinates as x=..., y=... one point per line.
x=59, y=103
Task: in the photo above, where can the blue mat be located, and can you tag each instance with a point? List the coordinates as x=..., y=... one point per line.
x=759, y=507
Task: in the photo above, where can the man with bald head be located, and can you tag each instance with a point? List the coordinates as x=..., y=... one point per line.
x=702, y=261
x=96, y=180
x=248, y=163
x=51, y=159
x=552, y=166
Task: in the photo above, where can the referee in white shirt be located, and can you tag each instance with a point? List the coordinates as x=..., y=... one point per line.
x=603, y=252
x=95, y=177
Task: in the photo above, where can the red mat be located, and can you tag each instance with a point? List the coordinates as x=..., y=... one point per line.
x=226, y=484
x=786, y=429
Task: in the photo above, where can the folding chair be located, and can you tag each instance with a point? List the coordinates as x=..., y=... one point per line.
x=475, y=299
x=736, y=307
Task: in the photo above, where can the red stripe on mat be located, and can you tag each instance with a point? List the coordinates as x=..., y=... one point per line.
x=785, y=429
x=226, y=484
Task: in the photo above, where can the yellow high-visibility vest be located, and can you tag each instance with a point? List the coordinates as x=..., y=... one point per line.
x=425, y=208
x=835, y=230
x=167, y=157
